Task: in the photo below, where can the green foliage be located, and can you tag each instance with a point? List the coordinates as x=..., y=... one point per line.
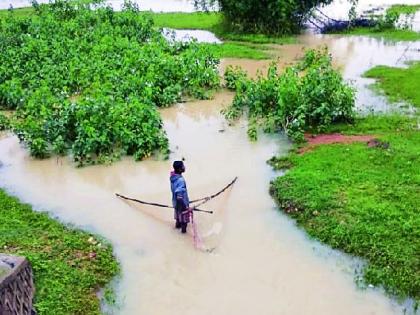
x=87, y=82
x=4, y=122
x=234, y=76
x=363, y=201
x=270, y=16
x=309, y=95
x=69, y=265
x=407, y=88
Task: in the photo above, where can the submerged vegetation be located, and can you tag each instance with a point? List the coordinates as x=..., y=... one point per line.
x=310, y=94
x=88, y=81
x=69, y=265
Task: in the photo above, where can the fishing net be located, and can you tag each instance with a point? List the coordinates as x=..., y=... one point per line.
x=198, y=243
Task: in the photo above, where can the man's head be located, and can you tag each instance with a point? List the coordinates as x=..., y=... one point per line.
x=179, y=167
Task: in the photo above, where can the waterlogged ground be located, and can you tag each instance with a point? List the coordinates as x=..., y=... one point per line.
x=259, y=261
x=354, y=55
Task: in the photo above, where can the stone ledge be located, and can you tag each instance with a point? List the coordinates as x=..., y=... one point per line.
x=16, y=286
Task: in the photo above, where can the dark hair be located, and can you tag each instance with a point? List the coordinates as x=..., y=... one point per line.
x=178, y=166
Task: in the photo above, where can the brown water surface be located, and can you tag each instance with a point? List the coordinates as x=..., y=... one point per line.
x=259, y=262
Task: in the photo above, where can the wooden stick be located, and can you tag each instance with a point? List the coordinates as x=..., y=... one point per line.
x=157, y=204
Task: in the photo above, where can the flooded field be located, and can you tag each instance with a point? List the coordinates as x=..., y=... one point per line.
x=257, y=261
x=260, y=262
x=354, y=55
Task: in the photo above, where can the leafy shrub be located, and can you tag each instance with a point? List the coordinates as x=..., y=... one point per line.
x=4, y=122
x=233, y=76
x=88, y=81
x=309, y=95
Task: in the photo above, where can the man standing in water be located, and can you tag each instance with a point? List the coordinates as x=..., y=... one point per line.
x=180, y=199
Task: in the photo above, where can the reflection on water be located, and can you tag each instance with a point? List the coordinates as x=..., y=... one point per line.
x=189, y=35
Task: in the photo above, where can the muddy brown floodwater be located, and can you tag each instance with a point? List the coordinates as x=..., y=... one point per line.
x=259, y=263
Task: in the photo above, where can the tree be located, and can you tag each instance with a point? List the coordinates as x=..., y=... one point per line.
x=264, y=16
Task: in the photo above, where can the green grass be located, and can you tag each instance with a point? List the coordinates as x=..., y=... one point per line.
x=390, y=34
x=213, y=22
x=236, y=45
x=363, y=201
x=398, y=84
x=67, y=276
x=404, y=9
x=238, y=50
x=196, y=20
x=22, y=12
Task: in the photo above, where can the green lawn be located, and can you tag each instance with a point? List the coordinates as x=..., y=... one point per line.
x=398, y=84
x=69, y=265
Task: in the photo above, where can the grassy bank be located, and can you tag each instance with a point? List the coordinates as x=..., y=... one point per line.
x=390, y=35
x=364, y=200
x=213, y=22
x=398, y=84
x=69, y=265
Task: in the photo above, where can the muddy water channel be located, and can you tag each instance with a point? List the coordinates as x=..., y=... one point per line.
x=257, y=261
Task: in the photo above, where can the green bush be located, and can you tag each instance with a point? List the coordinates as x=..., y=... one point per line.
x=309, y=95
x=4, y=122
x=88, y=82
